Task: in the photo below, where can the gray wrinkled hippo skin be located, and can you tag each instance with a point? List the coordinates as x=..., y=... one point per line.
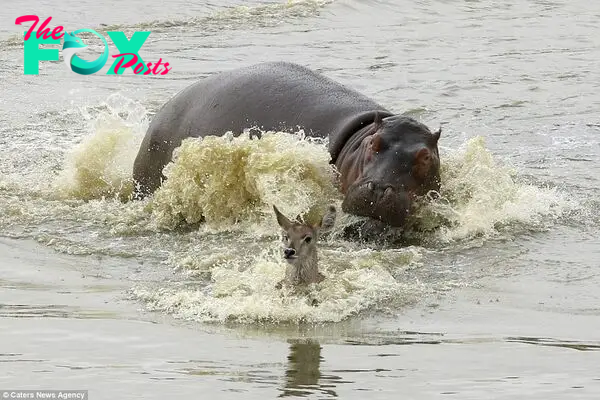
x=384, y=160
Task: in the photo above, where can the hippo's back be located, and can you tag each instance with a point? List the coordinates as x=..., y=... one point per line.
x=271, y=96
x=275, y=95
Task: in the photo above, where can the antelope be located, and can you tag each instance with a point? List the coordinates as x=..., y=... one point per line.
x=300, y=247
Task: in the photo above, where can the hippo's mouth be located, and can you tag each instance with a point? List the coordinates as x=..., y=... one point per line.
x=383, y=203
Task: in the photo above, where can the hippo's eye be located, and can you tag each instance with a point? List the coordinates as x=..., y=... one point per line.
x=307, y=239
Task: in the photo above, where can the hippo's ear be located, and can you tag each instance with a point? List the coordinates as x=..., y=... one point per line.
x=422, y=163
x=436, y=135
x=377, y=120
x=376, y=138
x=282, y=220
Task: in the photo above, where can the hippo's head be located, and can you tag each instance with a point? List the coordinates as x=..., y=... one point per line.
x=396, y=160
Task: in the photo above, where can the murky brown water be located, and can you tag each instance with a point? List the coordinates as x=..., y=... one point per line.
x=500, y=302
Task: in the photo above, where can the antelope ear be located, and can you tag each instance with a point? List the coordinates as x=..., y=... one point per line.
x=328, y=221
x=422, y=163
x=282, y=220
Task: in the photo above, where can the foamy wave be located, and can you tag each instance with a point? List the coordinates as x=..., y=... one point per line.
x=480, y=197
x=232, y=182
x=101, y=165
x=244, y=290
x=223, y=180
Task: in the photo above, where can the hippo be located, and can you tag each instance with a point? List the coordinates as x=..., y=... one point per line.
x=385, y=161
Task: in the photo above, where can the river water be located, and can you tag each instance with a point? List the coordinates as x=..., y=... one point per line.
x=495, y=297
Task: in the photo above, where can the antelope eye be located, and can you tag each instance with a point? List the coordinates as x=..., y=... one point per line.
x=284, y=237
x=307, y=239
